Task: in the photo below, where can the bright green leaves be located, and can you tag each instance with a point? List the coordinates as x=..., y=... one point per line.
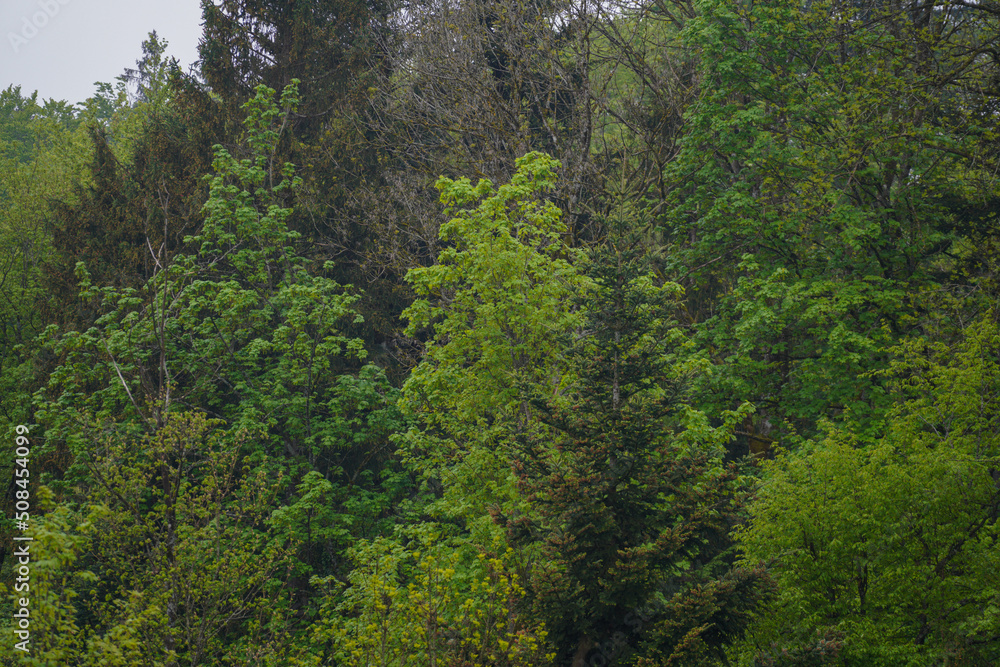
x=263, y=132
x=43, y=151
x=498, y=291
x=180, y=549
x=497, y=299
x=433, y=602
x=166, y=553
x=787, y=335
x=313, y=518
x=245, y=228
x=894, y=542
x=550, y=403
x=180, y=503
x=246, y=327
x=58, y=577
x=497, y=304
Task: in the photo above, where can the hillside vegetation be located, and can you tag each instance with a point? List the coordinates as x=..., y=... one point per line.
x=511, y=333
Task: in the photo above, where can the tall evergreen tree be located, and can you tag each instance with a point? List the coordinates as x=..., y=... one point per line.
x=333, y=48
x=631, y=502
x=144, y=192
x=323, y=43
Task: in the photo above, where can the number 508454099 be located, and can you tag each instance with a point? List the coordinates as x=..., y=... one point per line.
x=22, y=472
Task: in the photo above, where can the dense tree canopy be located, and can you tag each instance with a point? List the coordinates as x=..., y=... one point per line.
x=508, y=334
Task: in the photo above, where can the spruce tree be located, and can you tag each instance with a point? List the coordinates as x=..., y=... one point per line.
x=631, y=503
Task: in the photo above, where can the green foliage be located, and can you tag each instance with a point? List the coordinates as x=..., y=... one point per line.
x=807, y=210
x=27, y=126
x=166, y=555
x=241, y=328
x=893, y=542
x=180, y=549
x=805, y=333
x=499, y=293
x=245, y=329
x=433, y=602
x=811, y=186
x=59, y=542
x=322, y=43
x=54, y=157
x=143, y=194
x=42, y=151
x=627, y=495
x=496, y=298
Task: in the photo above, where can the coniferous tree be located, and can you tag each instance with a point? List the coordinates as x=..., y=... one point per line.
x=631, y=501
x=144, y=192
x=333, y=47
x=322, y=43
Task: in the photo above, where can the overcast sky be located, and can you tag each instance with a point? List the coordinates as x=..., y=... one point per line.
x=61, y=47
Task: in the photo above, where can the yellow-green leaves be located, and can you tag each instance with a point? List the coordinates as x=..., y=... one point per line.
x=893, y=542
x=492, y=306
x=433, y=602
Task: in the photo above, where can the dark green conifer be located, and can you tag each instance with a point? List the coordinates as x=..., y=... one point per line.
x=631, y=501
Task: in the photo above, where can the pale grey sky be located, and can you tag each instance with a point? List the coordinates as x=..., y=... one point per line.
x=61, y=47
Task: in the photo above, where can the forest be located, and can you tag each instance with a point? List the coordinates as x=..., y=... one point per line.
x=510, y=333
